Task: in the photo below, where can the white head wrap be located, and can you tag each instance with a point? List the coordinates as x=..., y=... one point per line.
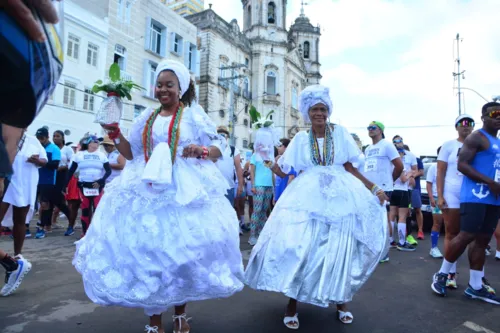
x=180, y=71
x=312, y=95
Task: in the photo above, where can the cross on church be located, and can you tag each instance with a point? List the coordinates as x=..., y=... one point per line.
x=302, y=4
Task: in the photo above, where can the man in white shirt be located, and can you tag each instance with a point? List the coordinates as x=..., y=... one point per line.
x=383, y=165
x=230, y=167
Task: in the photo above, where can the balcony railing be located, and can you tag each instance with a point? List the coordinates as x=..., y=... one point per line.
x=272, y=99
x=125, y=76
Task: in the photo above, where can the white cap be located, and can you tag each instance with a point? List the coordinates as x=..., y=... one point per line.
x=462, y=117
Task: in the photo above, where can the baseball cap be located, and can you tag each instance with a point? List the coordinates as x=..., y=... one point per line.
x=42, y=132
x=379, y=125
x=462, y=117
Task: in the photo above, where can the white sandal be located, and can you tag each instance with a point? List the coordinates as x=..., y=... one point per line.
x=150, y=329
x=289, y=320
x=344, y=315
x=179, y=318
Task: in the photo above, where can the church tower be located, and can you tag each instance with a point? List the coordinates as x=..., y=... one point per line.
x=306, y=37
x=264, y=16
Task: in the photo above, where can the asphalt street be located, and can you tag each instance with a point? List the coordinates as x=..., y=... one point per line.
x=396, y=299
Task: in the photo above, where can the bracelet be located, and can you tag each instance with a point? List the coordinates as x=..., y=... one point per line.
x=205, y=153
x=113, y=135
x=375, y=189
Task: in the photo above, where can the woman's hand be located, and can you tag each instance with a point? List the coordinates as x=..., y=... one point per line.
x=382, y=197
x=19, y=11
x=254, y=190
x=192, y=151
x=442, y=204
x=96, y=185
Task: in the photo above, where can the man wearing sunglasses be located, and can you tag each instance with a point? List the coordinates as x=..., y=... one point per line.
x=382, y=164
x=479, y=162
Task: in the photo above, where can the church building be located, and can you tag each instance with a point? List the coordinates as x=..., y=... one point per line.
x=261, y=64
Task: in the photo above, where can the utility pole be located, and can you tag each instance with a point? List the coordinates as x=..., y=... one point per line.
x=459, y=75
x=231, y=96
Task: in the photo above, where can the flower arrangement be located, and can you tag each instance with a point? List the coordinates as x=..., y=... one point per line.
x=266, y=136
x=111, y=108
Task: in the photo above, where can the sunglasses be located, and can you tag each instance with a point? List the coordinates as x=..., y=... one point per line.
x=466, y=123
x=372, y=128
x=493, y=114
x=397, y=141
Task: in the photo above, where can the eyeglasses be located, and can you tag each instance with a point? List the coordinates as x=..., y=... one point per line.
x=372, y=128
x=397, y=141
x=466, y=123
x=493, y=114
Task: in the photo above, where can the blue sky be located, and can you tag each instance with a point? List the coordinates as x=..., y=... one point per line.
x=392, y=61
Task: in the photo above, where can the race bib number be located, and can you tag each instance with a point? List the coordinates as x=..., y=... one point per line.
x=90, y=192
x=497, y=175
x=371, y=165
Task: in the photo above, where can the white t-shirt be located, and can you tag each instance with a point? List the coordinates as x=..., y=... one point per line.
x=66, y=156
x=409, y=161
x=226, y=165
x=432, y=178
x=378, y=164
x=449, y=154
x=113, y=159
x=90, y=165
x=360, y=163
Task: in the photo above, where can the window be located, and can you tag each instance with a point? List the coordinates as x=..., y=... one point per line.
x=128, y=10
x=69, y=94
x=247, y=62
x=190, y=57
x=155, y=40
x=306, y=50
x=245, y=143
x=88, y=100
x=138, y=110
x=245, y=122
x=73, y=46
x=120, y=56
x=120, y=10
x=151, y=78
x=295, y=98
x=271, y=13
x=176, y=44
x=124, y=10
x=246, y=108
x=92, y=52
x=271, y=83
x=249, y=19
x=222, y=114
x=246, y=88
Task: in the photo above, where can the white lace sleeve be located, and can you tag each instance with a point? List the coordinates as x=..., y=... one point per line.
x=295, y=155
x=346, y=149
x=135, y=135
x=205, y=129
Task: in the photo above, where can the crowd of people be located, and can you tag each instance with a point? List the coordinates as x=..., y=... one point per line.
x=162, y=210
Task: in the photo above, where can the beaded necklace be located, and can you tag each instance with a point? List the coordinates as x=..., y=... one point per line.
x=173, y=133
x=328, y=151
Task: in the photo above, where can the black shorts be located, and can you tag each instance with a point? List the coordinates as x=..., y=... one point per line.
x=388, y=194
x=477, y=218
x=400, y=199
x=46, y=192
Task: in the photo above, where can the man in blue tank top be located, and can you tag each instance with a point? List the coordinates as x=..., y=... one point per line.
x=479, y=161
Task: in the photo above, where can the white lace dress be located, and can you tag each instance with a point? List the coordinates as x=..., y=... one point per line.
x=155, y=249
x=327, y=232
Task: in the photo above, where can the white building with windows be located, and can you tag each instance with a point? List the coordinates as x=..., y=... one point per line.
x=72, y=106
x=264, y=64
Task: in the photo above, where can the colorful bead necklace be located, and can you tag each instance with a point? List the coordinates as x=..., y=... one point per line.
x=328, y=150
x=173, y=133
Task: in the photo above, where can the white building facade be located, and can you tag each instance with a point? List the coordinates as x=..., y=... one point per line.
x=72, y=107
x=263, y=64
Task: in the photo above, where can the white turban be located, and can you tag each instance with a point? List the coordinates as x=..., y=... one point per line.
x=312, y=95
x=180, y=71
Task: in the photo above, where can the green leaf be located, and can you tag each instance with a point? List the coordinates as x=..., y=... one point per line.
x=114, y=72
x=268, y=123
x=269, y=114
x=98, y=82
x=254, y=114
x=129, y=97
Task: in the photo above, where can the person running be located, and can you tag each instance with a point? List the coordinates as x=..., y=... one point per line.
x=382, y=166
x=58, y=138
x=328, y=230
x=478, y=161
x=116, y=160
x=173, y=234
x=449, y=182
x=437, y=215
x=93, y=170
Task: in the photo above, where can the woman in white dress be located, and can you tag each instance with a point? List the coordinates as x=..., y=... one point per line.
x=327, y=231
x=164, y=234
x=18, y=204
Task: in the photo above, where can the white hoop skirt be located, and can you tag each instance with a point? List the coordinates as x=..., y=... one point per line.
x=155, y=250
x=323, y=240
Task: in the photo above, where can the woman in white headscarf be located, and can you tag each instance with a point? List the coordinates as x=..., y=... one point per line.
x=164, y=234
x=328, y=231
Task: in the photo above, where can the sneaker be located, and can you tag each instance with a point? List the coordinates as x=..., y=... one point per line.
x=420, y=235
x=482, y=295
x=241, y=232
x=406, y=247
x=40, y=233
x=435, y=253
x=13, y=279
x=451, y=282
x=393, y=245
x=28, y=233
x=385, y=259
x=252, y=241
x=439, y=283
x=487, y=252
x=410, y=240
x=245, y=227
x=487, y=286
x=69, y=232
